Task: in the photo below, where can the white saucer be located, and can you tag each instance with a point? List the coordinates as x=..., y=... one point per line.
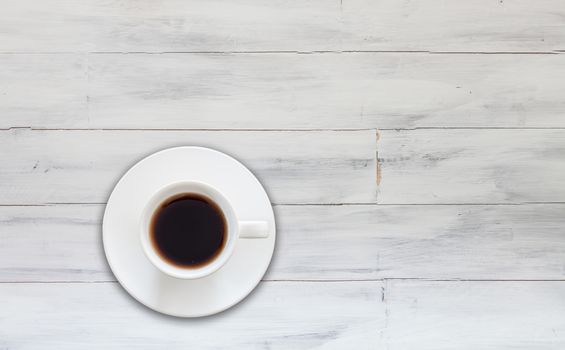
x=177, y=297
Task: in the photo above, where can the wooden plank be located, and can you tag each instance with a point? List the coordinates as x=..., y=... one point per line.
x=220, y=25
x=276, y=91
x=83, y=166
x=475, y=26
x=357, y=242
x=472, y=166
x=52, y=243
x=414, y=314
x=43, y=90
x=475, y=315
x=279, y=315
x=420, y=241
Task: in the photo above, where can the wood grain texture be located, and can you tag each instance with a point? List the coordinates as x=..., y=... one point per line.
x=84, y=166
x=356, y=242
x=471, y=166
x=252, y=25
x=475, y=315
x=282, y=91
x=464, y=250
x=52, y=243
x=43, y=89
x=279, y=315
x=420, y=241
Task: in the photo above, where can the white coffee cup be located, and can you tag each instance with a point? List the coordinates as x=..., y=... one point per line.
x=235, y=230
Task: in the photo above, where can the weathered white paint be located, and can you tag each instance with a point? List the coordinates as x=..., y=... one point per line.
x=278, y=315
x=52, y=243
x=65, y=81
x=354, y=242
x=281, y=91
x=83, y=166
x=474, y=315
x=471, y=166
x=253, y=25
x=307, y=315
x=420, y=241
x=43, y=89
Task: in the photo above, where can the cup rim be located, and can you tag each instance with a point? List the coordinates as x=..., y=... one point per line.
x=160, y=196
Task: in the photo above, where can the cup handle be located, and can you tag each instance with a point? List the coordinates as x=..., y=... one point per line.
x=253, y=229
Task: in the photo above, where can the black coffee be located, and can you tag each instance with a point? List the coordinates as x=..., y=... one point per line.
x=188, y=230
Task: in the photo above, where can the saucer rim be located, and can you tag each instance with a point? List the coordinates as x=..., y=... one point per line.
x=213, y=310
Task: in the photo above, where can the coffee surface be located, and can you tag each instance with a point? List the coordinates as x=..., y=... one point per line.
x=188, y=230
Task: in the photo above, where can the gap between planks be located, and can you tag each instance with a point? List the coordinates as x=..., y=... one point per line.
x=415, y=279
x=286, y=52
x=293, y=129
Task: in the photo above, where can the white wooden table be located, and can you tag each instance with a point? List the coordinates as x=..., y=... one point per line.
x=414, y=152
